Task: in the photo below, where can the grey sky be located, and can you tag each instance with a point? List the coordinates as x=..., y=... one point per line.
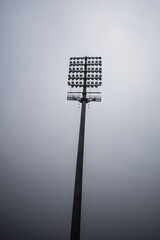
x=39, y=128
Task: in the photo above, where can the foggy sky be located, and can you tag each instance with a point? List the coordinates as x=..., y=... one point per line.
x=39, y=128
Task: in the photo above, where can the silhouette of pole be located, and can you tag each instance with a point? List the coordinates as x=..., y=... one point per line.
x=83, y=72
x=77, y=200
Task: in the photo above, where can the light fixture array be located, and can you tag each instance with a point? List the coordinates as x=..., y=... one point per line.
x=85, y=72
x=90, y=71
x=78, y=97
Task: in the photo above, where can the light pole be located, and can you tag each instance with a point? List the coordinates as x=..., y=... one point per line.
x=84, y=72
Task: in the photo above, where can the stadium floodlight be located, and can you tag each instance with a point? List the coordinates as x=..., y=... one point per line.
x=84, y=73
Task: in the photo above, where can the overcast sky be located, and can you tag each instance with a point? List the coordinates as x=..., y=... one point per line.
x=39, y=127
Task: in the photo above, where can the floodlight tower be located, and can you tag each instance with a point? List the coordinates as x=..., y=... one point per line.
x=84, y=72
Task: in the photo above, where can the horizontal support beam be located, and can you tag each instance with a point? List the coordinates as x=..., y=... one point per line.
x=87, y=71
x=87, y=99
x=79, y=97
x=82, y=64
x=86, y=92
x=76, y=85
x=82, y=78
x=77, y=58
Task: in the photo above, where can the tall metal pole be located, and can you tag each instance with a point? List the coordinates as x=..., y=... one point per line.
x=85, y=76
x=76, y=213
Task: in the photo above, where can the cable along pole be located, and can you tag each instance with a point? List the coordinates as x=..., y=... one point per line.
x=80, y=77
